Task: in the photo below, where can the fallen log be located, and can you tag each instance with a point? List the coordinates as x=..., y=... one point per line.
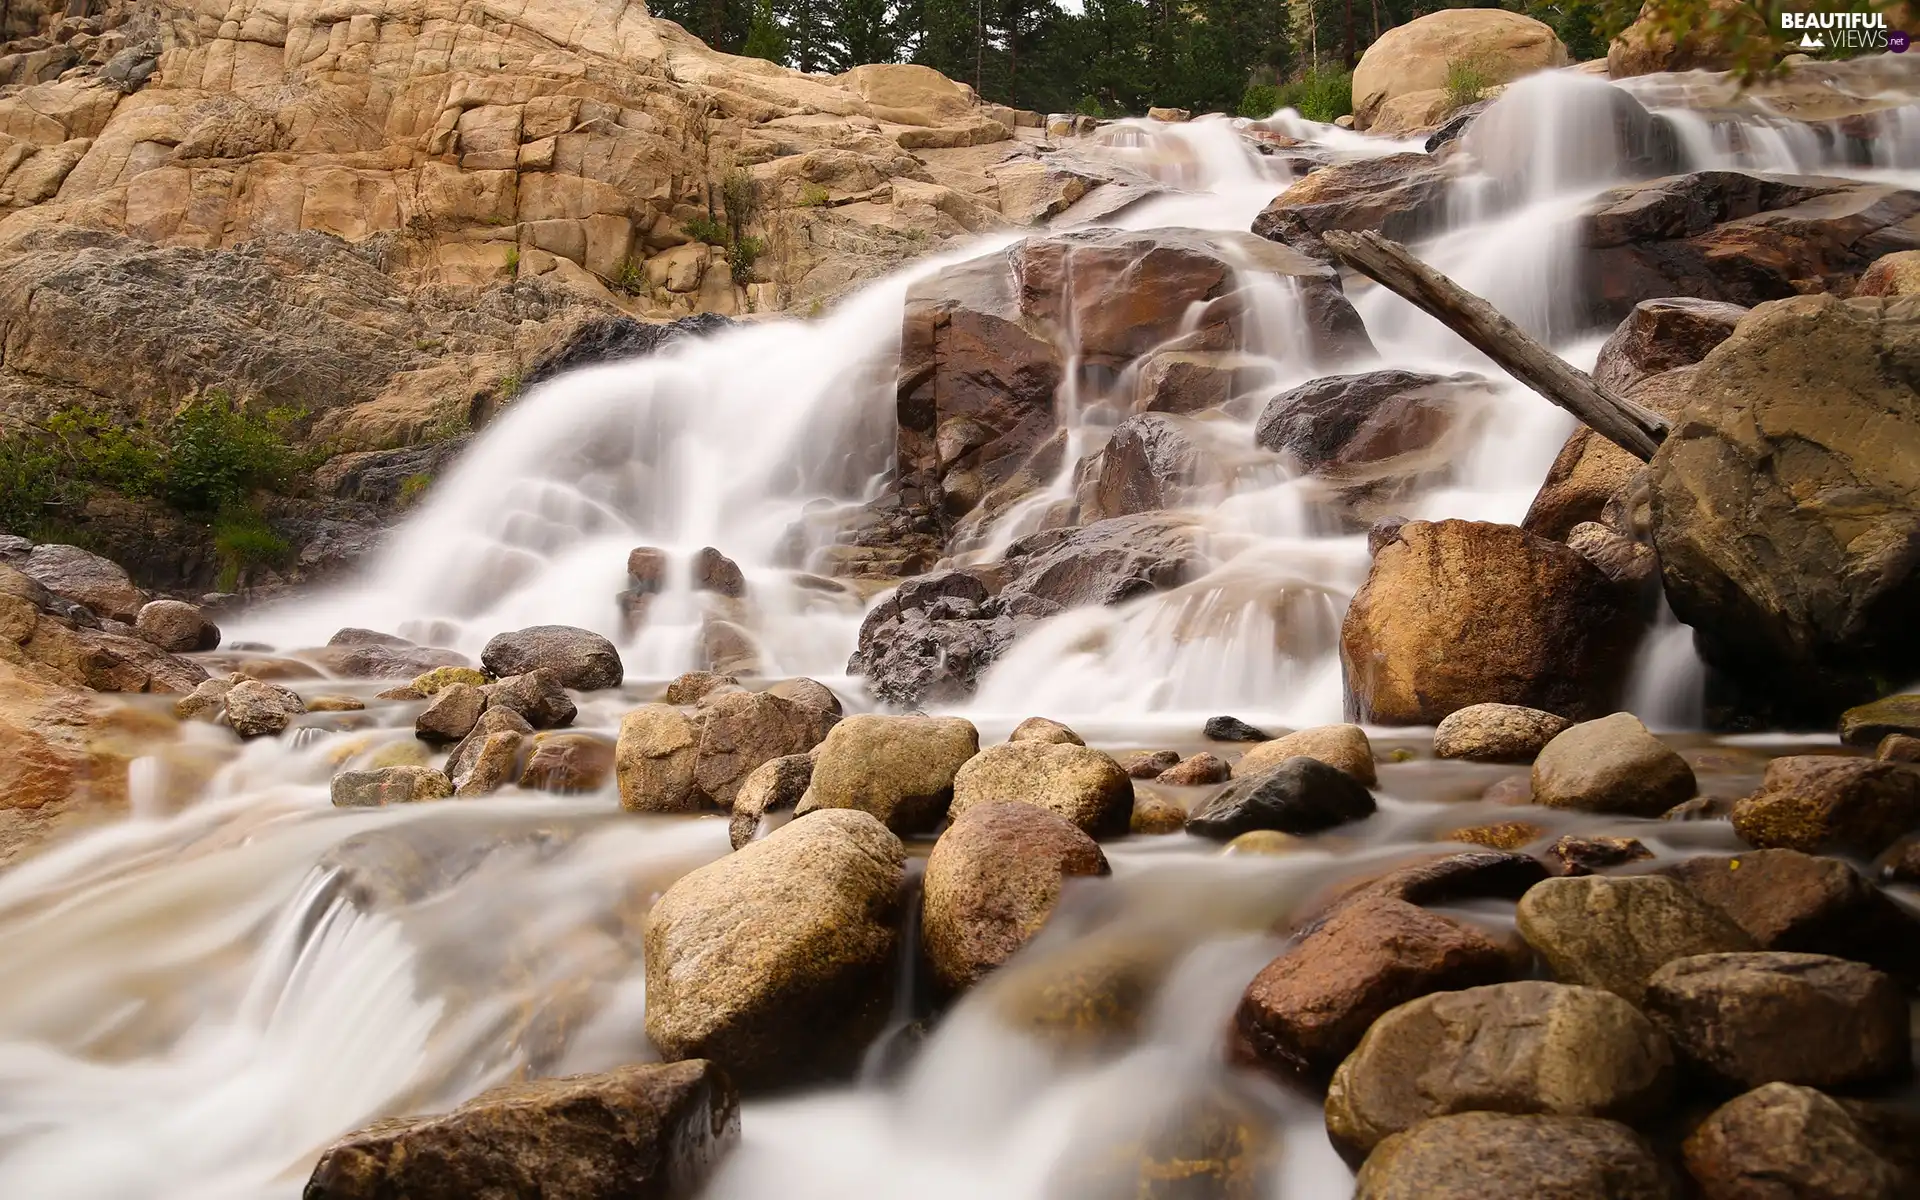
x=1632, y=427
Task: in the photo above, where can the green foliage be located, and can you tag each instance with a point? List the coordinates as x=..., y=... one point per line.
x=765, y=38
x=243, y=540
x=630, y=279
x=513, y=262
x=702, y=228
x=1090, y=106
x=1324, y=95
x=1259, y=100
x=740, y=194
x=216, y=453
x=509, y=385
x=743, y=254
x=1466, y=79
x=413, y=487
x=35, y=488
x=814, y=195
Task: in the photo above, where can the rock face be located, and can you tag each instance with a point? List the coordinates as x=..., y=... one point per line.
x=1797, y=600
x=1612, y=765
x=1661, y=335
x=57, y=639
x=1086, y=787
x=575, y=658
x=992, y=881
x=1355, y=425
x=1479, y=1156
x=1649, y=44
x=56, y=768
x=1743, y=1020
x=774, y=961
x=1614, y=933
x=898, y=769
x=1496, y=733
x=1307, y=1009
x=1153, y=461
x=979, y=362
x=1301, y=795
x=1790, y=1141
x=1812, y=803
x=1456, y=613
x=651, y=1132
x=1525, y=1047
x=1413, y=57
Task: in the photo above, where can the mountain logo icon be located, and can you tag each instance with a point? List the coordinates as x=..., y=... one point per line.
x=1812, y=41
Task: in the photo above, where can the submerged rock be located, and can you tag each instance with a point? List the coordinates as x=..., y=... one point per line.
x=389, y=785
x=1195, y=771
x=650, y=1132
x=1302, y=795
x=775, y=961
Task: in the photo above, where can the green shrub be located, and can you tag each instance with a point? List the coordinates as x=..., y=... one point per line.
x=242, y=540
x=34, y=485
x=413, y=487
x=630, y=279
x=1466, y=79
x=216, y=453
x=1259, y=100
x=513, y=262
x=1323, y=96
x=745, y=252
x=1090, y=106
x=814, y=195
x=702, y=228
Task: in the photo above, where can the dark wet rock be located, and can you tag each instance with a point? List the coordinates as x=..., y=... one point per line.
x=1800, y=902
x=1494, y=1156
x=1152, y=461
x=1659, y=335
x=1816, y=802
x=1302, y=795
x=1791, y=1142
x=577, y=658
x=1342, y=422
x=389, y=785
x=1747, y=1019
x=1522, y=1047
x=1307, y=1009
x=1083, y=786
x=1799, y=604
x=1469, y=875
x=1148, y=764
x=1588, y=855
x=774, y=786
x=1456, y=613
x=715, y=572
x=387, y=478
x=794, y=938
x=1233, y=729
x=1615, y=932
x=1612, y=765
x=1403, y=196
x=1741, y=239
x=536, y=695
x=898, y=769
x=992, y=880
x=649, y=1132
x=615, y=338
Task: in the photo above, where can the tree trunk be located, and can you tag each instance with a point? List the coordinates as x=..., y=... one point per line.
x=1632, y=427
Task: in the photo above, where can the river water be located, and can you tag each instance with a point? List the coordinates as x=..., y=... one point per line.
x=202, y=997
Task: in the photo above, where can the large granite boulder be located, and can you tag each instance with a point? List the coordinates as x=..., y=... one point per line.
x=1415, y=57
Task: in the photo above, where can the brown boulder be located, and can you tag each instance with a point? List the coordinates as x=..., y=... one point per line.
x=774, y=786
x=1612, y=765
x=1710, y=42
x=176, y=626
x=1815, y=803
x=1041, y=729
x=899, y=769
x=577, y=658
x=1592, y=479
x=651, y=1132
x=1493, y=1156
x=1362, y=425
x=1086, y=787
x=1456, y=613
x=742, y=730
x=256, y=709
x=1151, y=462
x=567, y=763
x=1196, y=770
x=1404, y=196
x=1496, y=733
x=389, y=785
x=1790, y=1142
x=1149, y=764
x=1416, y=56
x=1748, y=1019
x=454, y=712
x=1586, y=855
x=1307, y=1009
x=1868, y=724
x=1343, y=746
x=992, y=881
x=1615, y=932
x=85, y=578
x=653, y=760
x=1661, y=335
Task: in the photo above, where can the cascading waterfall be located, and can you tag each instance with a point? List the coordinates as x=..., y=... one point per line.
x=215, y=991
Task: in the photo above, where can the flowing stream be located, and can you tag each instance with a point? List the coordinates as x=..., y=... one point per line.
x=202, y=997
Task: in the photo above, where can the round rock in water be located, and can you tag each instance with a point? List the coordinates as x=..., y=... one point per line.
x=899, y=769
x=578, y=658
x=1302, y=795
x=1494, y=1156
x=257, y=709
x=1085, y=786
x=1612, y=765
x=1496, y=733
x=1342, y=746
x=1791, y=1142
x=176, y=626
x=1233, y=729
x=1820, y=802
x=1615, y=933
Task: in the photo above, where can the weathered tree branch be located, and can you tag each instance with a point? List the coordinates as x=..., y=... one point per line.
x=1634, y=428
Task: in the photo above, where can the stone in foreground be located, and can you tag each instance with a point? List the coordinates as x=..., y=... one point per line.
x=1614, y=933
x=899, y=769
x=776, y=961
x=653, y=1132
x=1818, y=802
x=1612, y=765
x=1084, y=786
x=1493, y=1156
x=1496, y=733
x=1794, y=1143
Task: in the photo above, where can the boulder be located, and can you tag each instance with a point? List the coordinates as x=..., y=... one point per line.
x=1519, y=145
x=1156, y=815
x=1799, y=902
x=774, y=962
x=1710, y=42
x=1404, y=196
x=774, y=786
x=653, y=760
x=1738, y=238
x=1524, y=1047
x=257, y=709
x=1040, y=729
x=1152, y=461
x=389, y=785
x=494, y=763
x=1496, y=733
x=86, y=579
x=1898, y=747
x=176, y=626
x=1347, y=424
x=1661, y=335
x=1086, y=787
x=1447, y=878
x=429, y=683
x=567, y=763
x=1186, y=382
x=715, y=572
x=536, y=695
x=991, y=882
x=1342, y=746
x=742, y=730
x=576, y=658
x=1746, y=1019
x=1494, y=1156
x=1896, y=274
x=1196, y=770
x=1233, y=729
x=807, y=693
x=1615, y=932
x=1416, y=56
x=899, y=769
x=1612, y=765
x=1817, y=802
x=1789, y=1141
x=1455, y=613
x=1149, y=764
x=695, y=686
x=1302, y=795
x=1869, y=724
x=495, y=722
x=208, y=699
x=358, y=659
x=649, y=1132
x=1307, y=1009
x=1793, y=599
x=452, y=714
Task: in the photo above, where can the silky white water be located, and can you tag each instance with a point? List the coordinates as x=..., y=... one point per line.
x=202, y=997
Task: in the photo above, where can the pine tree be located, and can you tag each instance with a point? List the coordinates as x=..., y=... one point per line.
x=765, y=39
